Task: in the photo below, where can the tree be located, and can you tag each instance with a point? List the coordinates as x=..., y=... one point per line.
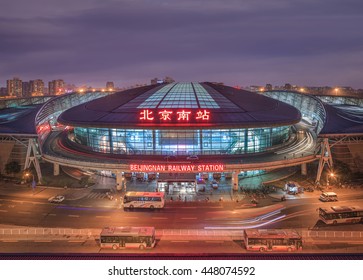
x=83, y=181
x=12, y=167
x=343, y=170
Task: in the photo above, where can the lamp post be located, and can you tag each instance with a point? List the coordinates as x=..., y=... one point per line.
x=331, y=174
x=33, y=180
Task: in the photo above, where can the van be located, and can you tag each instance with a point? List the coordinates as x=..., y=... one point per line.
x=328, y=196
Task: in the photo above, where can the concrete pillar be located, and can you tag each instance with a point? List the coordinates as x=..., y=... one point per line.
x=304, y=170
x=119, y=181
x=55, y=169
x=235, y=180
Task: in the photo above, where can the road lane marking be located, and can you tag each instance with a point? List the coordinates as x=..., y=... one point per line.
x=3, y=210
x=189, y=218
x=214, y=241
x=73, y=216
x=180, y=241
x=42, y=241
x=10, y=240
x=321, y=242
x=24, y=212
x=159, y=218
x=36, y=203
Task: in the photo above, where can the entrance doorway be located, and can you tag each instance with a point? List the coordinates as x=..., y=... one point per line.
x=175, y=183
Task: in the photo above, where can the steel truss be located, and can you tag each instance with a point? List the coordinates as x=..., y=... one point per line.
x=325, y=157
x=32, y=151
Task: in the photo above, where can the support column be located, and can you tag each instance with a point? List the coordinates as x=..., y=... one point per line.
x=32, y=155
x=325, y=159
x=235, y=180
x=120, y=181
x=55, y=169
x=304, y=170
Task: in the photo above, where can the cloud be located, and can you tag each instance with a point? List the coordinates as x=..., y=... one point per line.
x=95, y=41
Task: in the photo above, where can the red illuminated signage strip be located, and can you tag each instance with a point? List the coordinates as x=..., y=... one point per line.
x=180, y=115
x=177, y=168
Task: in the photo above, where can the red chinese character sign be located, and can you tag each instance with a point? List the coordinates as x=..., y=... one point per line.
x=183, y=115
x=165, y=115
x=174, y=116
x=203, y=115
x=146, y=115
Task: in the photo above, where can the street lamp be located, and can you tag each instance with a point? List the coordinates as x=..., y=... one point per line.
x=33, y=180
x=329, y=174
x=336, y=91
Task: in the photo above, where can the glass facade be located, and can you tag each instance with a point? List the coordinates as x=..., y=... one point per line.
x=310, y=107
x=181, y=142
x=180, y=95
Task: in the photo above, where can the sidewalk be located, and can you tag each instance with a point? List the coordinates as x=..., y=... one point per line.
x=316, y=193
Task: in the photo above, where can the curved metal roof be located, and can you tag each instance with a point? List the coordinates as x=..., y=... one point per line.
x=19, y=120
x=181, y=105
x=343, y=119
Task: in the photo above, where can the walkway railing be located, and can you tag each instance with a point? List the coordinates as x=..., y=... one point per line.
x=309, y=236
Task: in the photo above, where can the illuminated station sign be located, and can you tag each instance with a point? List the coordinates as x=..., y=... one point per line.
x=177, y=168
x=178, y=115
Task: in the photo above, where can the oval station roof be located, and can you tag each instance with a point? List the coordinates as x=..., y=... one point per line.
x=181, y=105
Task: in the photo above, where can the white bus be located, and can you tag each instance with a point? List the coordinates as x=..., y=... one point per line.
x=128, y=237
x=150, y=200
x=280, y=240
x=341, y=215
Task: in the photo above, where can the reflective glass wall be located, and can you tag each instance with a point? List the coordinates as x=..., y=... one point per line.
x=181, y=142
x=310, y=107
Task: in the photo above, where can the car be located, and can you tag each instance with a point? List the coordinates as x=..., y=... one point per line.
x=56, y=199
x=192, y=157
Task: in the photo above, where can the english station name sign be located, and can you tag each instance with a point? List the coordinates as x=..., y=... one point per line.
x=177, y=168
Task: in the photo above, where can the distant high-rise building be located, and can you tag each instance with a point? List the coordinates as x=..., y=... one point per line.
x=3, y=91
x=14, y=87
x=36, y=87
x=287, y=87
x=110, y=86
x=268, y=87
x=168, y=80
x=154, y=81
x=26, y=89
x=56, y=87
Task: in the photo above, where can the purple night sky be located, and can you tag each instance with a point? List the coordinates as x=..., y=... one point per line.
x=238, y=42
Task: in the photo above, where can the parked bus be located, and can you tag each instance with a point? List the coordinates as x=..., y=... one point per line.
x=341, y=215
x=151, y=200
x=128, y=237
x=272, y=240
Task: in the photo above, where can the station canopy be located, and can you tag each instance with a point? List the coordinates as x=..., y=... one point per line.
x=181, y=105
